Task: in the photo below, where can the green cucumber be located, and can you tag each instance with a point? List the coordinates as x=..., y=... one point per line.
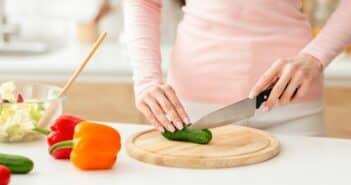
x=16, y=164
x=187, y=134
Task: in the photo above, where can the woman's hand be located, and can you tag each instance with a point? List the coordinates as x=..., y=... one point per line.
x=287, y=76
x=162, y=108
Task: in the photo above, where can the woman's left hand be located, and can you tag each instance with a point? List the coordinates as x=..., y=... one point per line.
x=287, y=76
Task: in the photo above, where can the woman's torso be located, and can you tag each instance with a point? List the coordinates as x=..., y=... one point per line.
x=224, y=46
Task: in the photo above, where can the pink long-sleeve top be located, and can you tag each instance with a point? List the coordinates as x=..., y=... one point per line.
x=223, y=46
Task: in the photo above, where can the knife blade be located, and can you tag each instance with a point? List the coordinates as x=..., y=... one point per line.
x=235, y=112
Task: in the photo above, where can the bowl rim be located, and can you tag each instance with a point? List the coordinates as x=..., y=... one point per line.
x=58, y=88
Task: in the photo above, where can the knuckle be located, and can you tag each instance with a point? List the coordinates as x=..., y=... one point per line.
x=168, y=88
x=158, y=112
x=279, y=87
x=177, y=105
x=304, y=73
x=164, y=121
x=167, y=107
x=291, y=66
x=280, y=61
x=283, y=61
x=148, y=94
x=181, y=111
x=163, y=86
x=171, y=89
x=156, y=89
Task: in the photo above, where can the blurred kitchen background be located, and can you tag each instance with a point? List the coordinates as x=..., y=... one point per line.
x=43, y=41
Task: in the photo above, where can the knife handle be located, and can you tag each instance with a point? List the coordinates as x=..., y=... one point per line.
x=262, y=97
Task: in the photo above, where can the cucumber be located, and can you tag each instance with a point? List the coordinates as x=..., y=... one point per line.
x=16, y=164
x=187, y=134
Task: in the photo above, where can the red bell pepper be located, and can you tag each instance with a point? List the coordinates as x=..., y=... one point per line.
x=94, y=146
x=61, y=130
x=5, y=175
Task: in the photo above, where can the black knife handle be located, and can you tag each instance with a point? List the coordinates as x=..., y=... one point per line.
x=262, y=97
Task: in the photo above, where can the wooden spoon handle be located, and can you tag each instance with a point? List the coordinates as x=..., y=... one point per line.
x=47, y=115
x=82, y=65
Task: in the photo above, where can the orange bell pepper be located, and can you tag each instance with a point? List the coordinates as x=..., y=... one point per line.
x=94, y=146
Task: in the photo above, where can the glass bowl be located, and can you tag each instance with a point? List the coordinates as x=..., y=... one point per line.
x=18, y=119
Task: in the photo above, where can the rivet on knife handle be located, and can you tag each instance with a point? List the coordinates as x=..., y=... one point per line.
x=262, y=97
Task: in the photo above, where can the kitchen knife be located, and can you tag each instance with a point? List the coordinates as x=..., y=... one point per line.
x=235, y=112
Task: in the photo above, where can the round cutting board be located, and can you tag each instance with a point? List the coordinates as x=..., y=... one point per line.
x=231, y=146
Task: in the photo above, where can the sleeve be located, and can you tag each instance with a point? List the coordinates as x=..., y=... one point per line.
x=334, y=36
x=142, y=27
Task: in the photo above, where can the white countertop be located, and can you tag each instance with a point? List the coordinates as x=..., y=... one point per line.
x=111, y=64
x=303, y=160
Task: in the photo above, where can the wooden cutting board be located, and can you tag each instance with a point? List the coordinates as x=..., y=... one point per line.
x=231, y=146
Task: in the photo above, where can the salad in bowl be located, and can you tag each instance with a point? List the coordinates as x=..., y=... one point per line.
x=21, y=107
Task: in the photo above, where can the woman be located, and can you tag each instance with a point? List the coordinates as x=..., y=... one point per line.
x=227, y=50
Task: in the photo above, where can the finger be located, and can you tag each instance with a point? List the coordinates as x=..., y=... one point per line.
x=159, y=114
x=303, y=89
x=169, y=109
x=279, y=87
x=171, y=95
x=288, y=94
x=270, y=84
x=267, y=78
x=150, y=117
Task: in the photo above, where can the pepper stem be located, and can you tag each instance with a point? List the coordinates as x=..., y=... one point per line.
x=60, y=145
x=41, y=130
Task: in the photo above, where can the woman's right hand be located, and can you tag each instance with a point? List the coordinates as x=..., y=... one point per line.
x=161, y=106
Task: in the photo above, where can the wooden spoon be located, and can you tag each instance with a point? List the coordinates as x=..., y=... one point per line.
x=53, y=106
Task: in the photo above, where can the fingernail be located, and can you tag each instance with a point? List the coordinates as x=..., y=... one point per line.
x=171, y=129
x=179, y=125
x=265, y=109
x=186, y=120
